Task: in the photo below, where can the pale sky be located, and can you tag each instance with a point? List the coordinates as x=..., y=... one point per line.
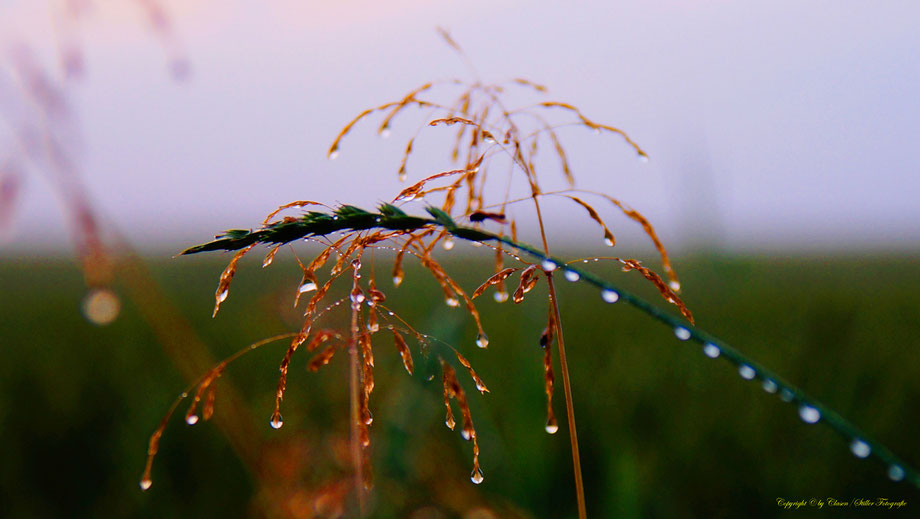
x=773, y=124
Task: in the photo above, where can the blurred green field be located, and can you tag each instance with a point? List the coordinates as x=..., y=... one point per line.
x=665, y=432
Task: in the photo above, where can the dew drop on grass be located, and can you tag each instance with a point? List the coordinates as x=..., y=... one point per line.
x=610, y=296
x=769, y=386
x=711, y=350
x=452, y=302
x=373, y=327
x=500, y=297
x=476, y=476
x=747, y=372
x=786, y=396
x=675, y=285
x=571, y=275
x=369, y=419
x=101, y=306
x=402, y=177
x=682, y=333
x=334, y=155
x=895, y=473
x=447, y=244
x=860, y=449
x=643, y=157
x=482, y=341
x=397, y=280
x=549, y=265
x=309, y=286
x=146, y=483
x=277, y=422
x=465, y=434
x=385, y=133
x=552, y=426
x=608, y=242
x=191, y=419
x=809, y=414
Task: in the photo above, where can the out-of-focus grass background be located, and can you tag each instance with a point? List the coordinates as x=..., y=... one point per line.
x=664, y=431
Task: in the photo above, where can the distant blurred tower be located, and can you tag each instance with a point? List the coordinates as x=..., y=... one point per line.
x=696, y=195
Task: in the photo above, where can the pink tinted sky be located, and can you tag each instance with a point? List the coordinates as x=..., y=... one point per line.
x=769, y=124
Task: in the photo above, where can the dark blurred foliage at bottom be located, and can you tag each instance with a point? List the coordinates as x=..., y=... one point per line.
x=665, y=431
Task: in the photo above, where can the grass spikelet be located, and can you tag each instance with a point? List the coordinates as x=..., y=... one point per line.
x=596, y=126
x=528, y=83
x=404, y=351
x=528, y=280
x=270, y=257
x=298, y=203
x=414, y=191
x=494, y=279
x=223, y=286
x=402, y=165
x=321, y=337
x=334, y=148
x=322, y=358
x=650, y=231
x=480, y=385
x=608, y=236
x=397, y=107
x=666, y=292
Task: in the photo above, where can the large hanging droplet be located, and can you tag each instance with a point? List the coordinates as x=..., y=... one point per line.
x=482, y=340
x=549, y=265
x=895, y=473
x=572, y=276
x=610, y=296
x=747, y=372
x=146, y=483
x=500, y=296
x=711, y=350
x=277, y=422
x=476, y=476
x=769, y=386
x=860, y=449
x=809, y=414
x=682, y=333
x=101, y=306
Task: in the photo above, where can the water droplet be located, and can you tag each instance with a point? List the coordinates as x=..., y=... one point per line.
x=769, y=386
x=500, y=297
x=385, y=133
x=552, y=426
x=482, y=341
x=572, y=276
x=786, y=396
x=711, y=350
x=809, y=414
x=267, y=261
x=476, y=476
x=860, y=449
x=895, y=473
x=402, y=177
x=191, y=419
x=452, y=302
x=309, y=286
x=277, y=422
x=397, y=280
x=146, y=483
x=334, y=155
x=369, y=419
x=608, y=242
x=747, y=372
x=101, y=306
x=373, y=327
x=610, y=296
x=548, y=265
x=682, y=333
x=447, y=244
x=643, y=157
x=465, y=434
x=357, y=296
x=675, y=285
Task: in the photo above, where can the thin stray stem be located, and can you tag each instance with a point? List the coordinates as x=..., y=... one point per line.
x=569, y=403
x=355, y=415
x=566, y=385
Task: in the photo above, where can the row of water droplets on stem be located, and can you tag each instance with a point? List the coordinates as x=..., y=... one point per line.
x=809, y=411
